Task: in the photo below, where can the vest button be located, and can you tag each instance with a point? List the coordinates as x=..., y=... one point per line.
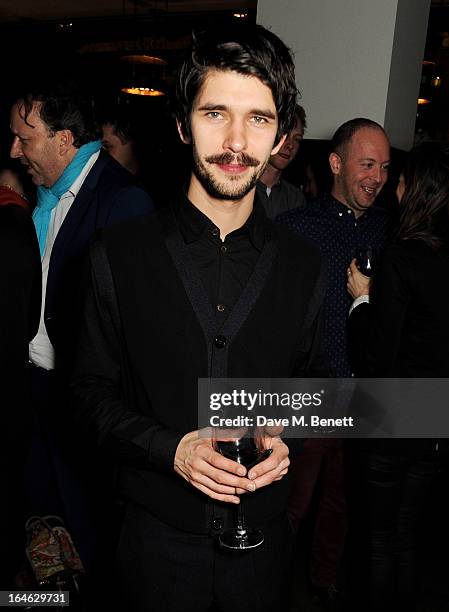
x=217, y=524
x=220, y=342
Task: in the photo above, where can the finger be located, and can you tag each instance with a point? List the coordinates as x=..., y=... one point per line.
x=265, y=436
x=269, y=441
x=281, y=475
x=233, y=499
x=212, y=485
x=353, y=270
x=201, y=463
x=279, y=454
x=269, y=477
x=222, y=463
x=224, y=478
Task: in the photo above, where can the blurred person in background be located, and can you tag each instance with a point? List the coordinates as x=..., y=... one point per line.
x=399, y=327
x=276, y=194
x=119, y=138
x=140, y=138
x=20, y=299
x=12, y=190
x=80, y=189
x=338, y=222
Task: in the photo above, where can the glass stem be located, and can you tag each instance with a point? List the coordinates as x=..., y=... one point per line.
x=240, y=518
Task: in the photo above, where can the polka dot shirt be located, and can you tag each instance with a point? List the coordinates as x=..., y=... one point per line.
x=334, y=228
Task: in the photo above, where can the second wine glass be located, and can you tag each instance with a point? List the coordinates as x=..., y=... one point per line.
x=366, y=260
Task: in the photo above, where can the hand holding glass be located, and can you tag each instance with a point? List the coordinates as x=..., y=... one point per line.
x=246, y=451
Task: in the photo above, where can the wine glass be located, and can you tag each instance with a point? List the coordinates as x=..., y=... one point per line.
x=245, y=451
x=366, y=260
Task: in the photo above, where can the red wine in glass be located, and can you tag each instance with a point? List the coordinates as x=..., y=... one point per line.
x=246, y=452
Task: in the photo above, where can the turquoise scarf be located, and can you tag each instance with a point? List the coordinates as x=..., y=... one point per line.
x=48, y=197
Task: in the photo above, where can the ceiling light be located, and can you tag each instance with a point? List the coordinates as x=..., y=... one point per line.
x=144, y=59
x=143, y=91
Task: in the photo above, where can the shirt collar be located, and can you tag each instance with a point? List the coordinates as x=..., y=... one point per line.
x=193, y=223
x=340, y=210
x=78, y=183
x=263, y=187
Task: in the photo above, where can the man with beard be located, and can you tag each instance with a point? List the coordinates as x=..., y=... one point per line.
x=206, y=287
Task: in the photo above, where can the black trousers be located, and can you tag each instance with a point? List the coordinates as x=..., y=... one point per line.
x=163, y=569
x=393, y=495
x=398, y=488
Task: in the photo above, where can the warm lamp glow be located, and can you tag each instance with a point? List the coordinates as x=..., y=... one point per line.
x=423, y=101
x=436, y=81
x=144, y=59
x=142, y=91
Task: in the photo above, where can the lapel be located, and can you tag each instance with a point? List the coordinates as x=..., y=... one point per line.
x=76, y=228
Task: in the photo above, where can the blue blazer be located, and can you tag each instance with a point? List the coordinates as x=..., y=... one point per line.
x=107, y=196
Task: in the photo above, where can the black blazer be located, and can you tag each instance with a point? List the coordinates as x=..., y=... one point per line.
x=107, y=196
x=143, y=350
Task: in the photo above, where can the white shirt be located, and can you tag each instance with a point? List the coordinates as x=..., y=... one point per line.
x=41, y=351
x=362, y=299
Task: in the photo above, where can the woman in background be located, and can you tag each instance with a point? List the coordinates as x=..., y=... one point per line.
x=399, y=327
x=20, y=303
x=12, y=190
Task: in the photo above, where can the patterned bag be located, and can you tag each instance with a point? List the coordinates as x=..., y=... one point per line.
x=50, y=550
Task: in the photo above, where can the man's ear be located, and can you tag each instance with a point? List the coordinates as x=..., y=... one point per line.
x=335, y=163
x=65, y=141
x=185, y=139
x=277, y=148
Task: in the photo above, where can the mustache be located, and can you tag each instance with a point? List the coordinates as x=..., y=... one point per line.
x=243, y=159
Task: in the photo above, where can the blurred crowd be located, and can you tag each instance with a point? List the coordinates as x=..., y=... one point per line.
x=132, y=265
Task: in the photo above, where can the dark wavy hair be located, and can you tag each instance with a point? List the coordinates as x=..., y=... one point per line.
x=249, y=50
x=124, y=121
x=425, y=204
x=346, y=131
x=63, y=106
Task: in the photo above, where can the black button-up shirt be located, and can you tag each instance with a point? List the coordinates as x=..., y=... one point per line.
x=281, y=198
x=224, y=266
